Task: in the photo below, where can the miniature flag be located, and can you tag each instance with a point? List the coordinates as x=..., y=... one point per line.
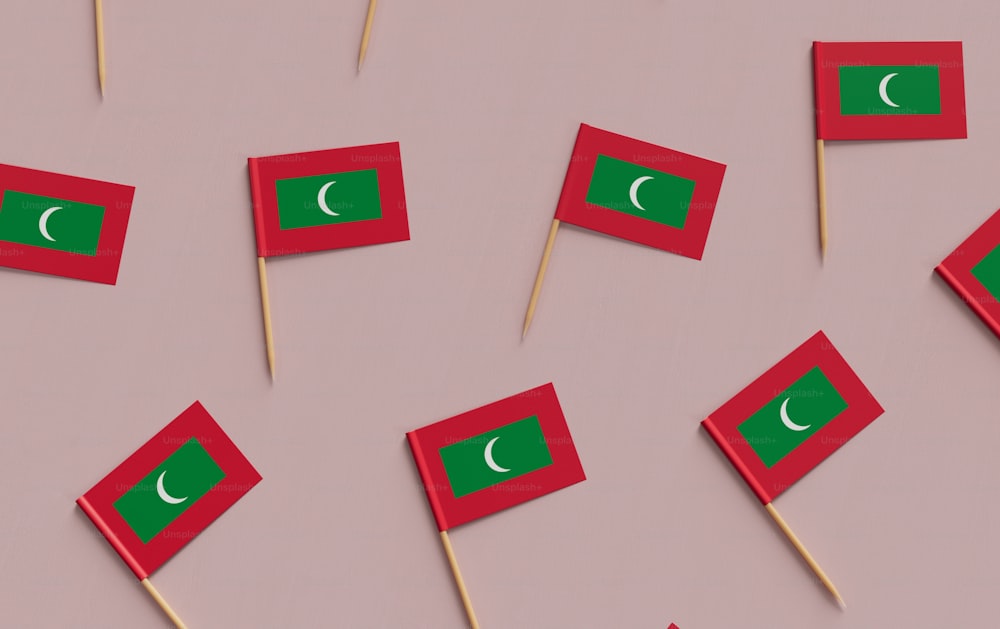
x=973, y=271
x=328, y=199
x=169, y=490
x=641, y=192
x=62, y=225
x=791, y=418
x=495, y=457
x=889, y=90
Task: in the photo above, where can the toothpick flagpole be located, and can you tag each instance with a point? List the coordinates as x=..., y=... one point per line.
x=99, y=16
x=266, y=305
x=805, y=553
x=163, y=604
x=466, y=601
x=821, y=186
x=367, y=33
x=540, y=277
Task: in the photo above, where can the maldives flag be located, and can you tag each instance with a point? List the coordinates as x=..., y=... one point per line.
x=62, y=225
x=973, y=271
x=889, y=90
x=328, y=199
x=641, y=192
x=495, y=456
x=169, y=490
x=787, y=421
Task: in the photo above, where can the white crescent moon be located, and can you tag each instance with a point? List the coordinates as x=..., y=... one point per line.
x=634, y=190
x=43, y=222
x=881, y=89
x=789, y=424
x=164, y=496
x=488, y=455
x=321, y=199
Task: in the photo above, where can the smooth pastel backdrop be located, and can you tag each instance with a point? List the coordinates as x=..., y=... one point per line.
x=486, y=99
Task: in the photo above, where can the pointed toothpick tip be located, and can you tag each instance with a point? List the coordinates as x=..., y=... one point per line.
x=366, y=34
x=842, y=604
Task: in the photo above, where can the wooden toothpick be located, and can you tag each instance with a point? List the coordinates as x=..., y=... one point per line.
x=821, y=187
x=466, y=601
x=266, y=304
x=805, y=553
x=163, y=604
x=367, y=32
x=540, y=277
x=99, y=16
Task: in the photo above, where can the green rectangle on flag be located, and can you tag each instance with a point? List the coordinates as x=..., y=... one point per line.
x=328, y=199
x=169, y=490
x=644, y=192
x=889, y=90
x=495, y=456
x=31, y=219
x=792, y=416
x=987, y=271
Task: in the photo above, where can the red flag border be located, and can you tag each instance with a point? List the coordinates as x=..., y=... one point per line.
x=98, y=503
x=956, y=270
x=688, y=241
x=832, y=125
x=565, y=470
x=116, y=199
x=769, y=483
x=274, y=241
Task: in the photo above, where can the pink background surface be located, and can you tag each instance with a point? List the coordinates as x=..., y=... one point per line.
x=371, y=342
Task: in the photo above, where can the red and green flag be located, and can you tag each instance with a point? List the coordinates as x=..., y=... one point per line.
x=641, y=192
x=791, y=418
x=889, y=90
x=328, y=199
x=495, y=456
x=973, y=271
x=62, y=225
x=169, y=490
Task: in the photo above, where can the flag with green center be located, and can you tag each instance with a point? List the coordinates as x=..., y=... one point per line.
x=169, y=490
x=641, y=192
x=328, y=199
x=791, y=418
x=973, y=271
x=889, y=90
x=495, y=457
x=62, y=225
